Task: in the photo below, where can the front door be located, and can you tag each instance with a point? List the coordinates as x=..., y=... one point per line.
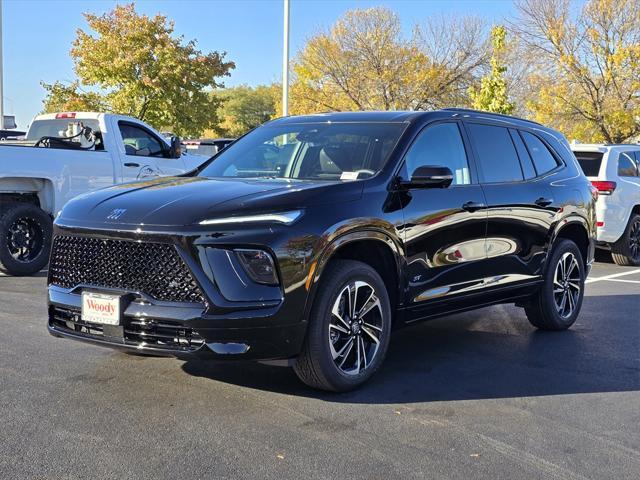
x=445, y=228
x=145, y=154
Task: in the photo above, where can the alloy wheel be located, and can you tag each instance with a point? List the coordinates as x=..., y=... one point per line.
x=355, y=327
x=634, y=240
x=25, y=239
x=567, y=285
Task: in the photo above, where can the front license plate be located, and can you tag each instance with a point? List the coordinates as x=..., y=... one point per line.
x=101, y=308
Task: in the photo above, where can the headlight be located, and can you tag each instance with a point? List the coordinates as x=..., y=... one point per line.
x=259, y=266
x=286, y=218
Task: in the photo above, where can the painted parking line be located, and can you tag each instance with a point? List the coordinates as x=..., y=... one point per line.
x=614, y=275
x=622, y=280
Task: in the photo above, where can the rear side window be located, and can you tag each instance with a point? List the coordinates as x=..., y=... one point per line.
x=627, y=166
x=542, y=157
x=590, y=162
x=496, y=153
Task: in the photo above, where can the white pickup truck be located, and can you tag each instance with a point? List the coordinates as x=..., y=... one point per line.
x=65, y=155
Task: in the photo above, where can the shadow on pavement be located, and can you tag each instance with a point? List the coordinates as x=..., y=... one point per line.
x=489, y=353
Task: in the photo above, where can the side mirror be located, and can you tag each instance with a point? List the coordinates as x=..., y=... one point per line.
x=430, y=176
x=175, y=149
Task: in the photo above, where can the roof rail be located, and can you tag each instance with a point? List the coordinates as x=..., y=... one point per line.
x=471, y=110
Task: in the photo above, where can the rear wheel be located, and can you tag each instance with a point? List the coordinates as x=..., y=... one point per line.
x=557, y=304
x=626, y=251
x=25, y=239
x=349, y=328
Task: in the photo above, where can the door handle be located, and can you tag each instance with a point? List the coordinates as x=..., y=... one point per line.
x=473, y=206
x=132, y=164
x=544, y=202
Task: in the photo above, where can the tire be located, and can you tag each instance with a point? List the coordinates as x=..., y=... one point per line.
x=626, y=251
x=317, y=365
x=546, y=310
x=25, y=239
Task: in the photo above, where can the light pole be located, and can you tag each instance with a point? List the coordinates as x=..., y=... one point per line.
x=285, y=62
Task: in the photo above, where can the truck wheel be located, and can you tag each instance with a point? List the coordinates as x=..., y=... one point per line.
x=557, y=304
x=349, y=328
x=626, y=251
x=25, y=239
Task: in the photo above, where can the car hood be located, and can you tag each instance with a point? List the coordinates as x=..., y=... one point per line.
x=188, y=200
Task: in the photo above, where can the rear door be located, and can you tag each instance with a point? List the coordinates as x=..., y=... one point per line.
x=444, y=228
x=520, y=205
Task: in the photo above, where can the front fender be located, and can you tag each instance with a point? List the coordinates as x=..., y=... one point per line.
x=335, y=242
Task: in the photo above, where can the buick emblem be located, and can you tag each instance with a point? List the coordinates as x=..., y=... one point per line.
x=116, y=213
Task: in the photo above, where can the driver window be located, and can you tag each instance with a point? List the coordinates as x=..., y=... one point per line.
x=440, y=145
x=139, y=142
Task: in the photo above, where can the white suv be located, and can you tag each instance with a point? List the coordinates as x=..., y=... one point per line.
x=615, y=172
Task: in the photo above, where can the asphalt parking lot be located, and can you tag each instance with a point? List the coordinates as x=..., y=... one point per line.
x=476, y=395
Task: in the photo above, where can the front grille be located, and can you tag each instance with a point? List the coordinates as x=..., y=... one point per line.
x=147, y=332
x=155, y=269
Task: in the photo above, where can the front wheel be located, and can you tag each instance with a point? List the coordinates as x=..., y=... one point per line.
x=25, y=239
x=349, y=328
x=557, y=304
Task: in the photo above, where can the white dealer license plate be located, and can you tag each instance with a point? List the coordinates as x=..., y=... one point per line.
x=101, y=308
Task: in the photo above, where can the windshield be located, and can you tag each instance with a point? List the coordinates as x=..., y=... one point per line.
x=310, y=151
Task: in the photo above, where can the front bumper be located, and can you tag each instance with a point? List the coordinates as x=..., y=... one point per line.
x=175, y=331
x=267, y=328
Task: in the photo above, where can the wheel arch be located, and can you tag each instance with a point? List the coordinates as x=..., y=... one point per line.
x=575, y=229
x=37, y=191
x=373, y=247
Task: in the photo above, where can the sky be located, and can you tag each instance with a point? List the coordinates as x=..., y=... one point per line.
x=37, y=34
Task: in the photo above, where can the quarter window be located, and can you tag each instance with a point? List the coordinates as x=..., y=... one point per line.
x=525, y=158
x=627, y=166
x=496, y=153
x=440, y=145
x=542, y=157
x=139, y=142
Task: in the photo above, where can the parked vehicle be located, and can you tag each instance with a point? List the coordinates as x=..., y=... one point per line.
x=615, y=171
x=76, y=152
x=307, y=240
x=207, y=147
x=10, y=135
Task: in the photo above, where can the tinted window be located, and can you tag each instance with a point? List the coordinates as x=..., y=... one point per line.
x=540, y=154
x=525, y=159
x=321, y=151
x=496, y=153
x=440, y=145
x=627, y=165
x=139, y=142
x=590, y=162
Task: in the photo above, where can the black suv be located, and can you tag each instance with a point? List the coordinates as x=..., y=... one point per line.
x=308, y=240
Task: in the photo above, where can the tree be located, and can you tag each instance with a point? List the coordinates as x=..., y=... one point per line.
x=61, y=97
x=587, y=66
x=244, y=108
x=492, y=95
x=364, y=63
x=139, y=67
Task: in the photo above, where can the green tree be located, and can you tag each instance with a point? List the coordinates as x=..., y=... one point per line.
x=139, y=67
x=61, y=97
x=492, y=96
x=244, y=108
